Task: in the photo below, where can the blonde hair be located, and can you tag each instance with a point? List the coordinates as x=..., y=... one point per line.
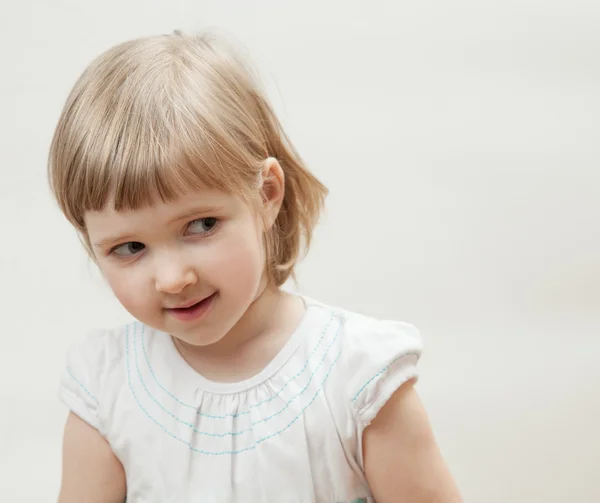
x=153, y=117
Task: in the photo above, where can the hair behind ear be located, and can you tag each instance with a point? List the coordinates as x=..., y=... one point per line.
x=303, y=201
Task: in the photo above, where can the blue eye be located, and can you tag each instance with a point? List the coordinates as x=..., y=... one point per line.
x=128, y=249
x=202, y=225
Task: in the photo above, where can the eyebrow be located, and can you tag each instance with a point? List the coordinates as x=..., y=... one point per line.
x=196, y=212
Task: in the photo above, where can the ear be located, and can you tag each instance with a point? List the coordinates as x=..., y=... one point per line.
x=272, y=191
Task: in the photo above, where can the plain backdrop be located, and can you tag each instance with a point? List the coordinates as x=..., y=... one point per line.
x=460, y=142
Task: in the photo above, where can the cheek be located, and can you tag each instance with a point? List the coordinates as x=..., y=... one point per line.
x=127, y=290
x=241, y=260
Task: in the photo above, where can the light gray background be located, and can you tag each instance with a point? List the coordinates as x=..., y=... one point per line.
x=460, y=142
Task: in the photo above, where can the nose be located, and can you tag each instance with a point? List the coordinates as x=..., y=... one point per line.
x=173, y=275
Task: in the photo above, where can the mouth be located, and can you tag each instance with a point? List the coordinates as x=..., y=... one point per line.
x=192, y=310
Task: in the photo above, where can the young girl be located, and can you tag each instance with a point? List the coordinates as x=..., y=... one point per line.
x=187, y=194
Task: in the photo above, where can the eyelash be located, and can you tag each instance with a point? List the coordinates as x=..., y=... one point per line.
x=203, y=235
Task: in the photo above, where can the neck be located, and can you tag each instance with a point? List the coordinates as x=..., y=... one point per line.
x=253, y=342
x=258, y=320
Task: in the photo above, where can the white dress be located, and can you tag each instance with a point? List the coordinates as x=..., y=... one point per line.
x=291, y=433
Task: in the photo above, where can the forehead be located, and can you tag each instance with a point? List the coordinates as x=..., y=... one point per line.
x=159, y=213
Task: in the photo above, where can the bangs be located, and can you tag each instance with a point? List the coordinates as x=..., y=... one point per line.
x=155, y=129
x=152, y=157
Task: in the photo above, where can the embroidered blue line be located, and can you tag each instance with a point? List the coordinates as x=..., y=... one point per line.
x=307, y=405
x=237, y=414
x=221, y=453
x=382, y=371
x=309, y=380
x=253, y=423
x=155, y=421
x=190, y=425
x=81, y=385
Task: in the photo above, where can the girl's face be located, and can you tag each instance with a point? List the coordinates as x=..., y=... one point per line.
x=190, y=268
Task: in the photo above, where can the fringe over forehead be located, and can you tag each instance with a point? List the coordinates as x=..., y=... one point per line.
x=154, y=117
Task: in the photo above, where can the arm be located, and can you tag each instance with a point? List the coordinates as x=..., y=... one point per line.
x=91, y=472
x=401, y=457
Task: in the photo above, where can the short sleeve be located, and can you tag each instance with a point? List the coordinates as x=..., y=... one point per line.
x=81, y=381
x=380, y=356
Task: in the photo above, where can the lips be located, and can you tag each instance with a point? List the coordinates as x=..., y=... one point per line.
x=187, y=305
x=193, y=309
x=190, y=303
x=184, y=308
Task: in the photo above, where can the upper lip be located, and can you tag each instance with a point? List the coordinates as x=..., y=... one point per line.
x=188, y=303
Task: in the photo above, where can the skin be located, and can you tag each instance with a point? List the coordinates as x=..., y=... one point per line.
x=210, y=243
x=401, y=457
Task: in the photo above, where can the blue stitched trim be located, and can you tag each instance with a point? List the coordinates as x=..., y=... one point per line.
x=253, y=423
x=412, y=353
x=217, y=453
x=335, y=338
x=82, y=386
x=307, y=405
x=237, y=414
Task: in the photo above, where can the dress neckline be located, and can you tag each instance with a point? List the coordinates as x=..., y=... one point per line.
x=179, y=365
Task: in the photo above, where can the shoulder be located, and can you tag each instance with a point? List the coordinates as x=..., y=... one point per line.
x=97, y=350
x=91, y=369
x=380, y=355
x=366, y=338
x=376, y=356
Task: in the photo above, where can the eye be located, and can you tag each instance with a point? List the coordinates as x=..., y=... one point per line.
x=202, y=225
x=128, y=249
